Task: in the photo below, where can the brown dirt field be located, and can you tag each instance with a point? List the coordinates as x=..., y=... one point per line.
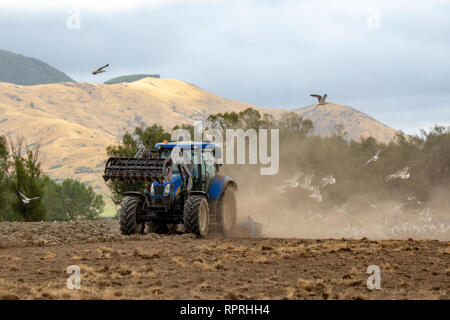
x=34, y=258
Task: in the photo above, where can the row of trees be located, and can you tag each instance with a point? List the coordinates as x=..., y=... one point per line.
x=289, y=124
x=21, y=175
x=428, y=155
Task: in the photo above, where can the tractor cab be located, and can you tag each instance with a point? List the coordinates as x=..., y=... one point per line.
x=199, y=159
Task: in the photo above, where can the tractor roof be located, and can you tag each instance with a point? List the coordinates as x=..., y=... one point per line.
x=187, y=145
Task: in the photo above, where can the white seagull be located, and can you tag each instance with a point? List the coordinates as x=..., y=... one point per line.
x=25, y=199
x=398, y=208
x=424, y=215
x=374, y=158
x=313, y=215
x=329, y=179
x=316, y=194
x=293, y=181
x=307, y=184
x=342, y=208
x=402, y=174
x=414, y=199
x=280, y=189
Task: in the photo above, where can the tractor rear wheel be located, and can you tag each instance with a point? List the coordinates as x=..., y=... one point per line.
x=227, y=211
x=129, y=208
x=196, y=215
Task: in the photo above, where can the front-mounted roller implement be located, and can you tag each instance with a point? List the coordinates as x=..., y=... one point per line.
x=137, y=169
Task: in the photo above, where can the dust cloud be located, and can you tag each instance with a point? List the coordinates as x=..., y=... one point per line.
x=289, y=211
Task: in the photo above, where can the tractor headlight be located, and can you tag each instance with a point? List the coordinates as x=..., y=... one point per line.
x=152, y=190
x=167, y=189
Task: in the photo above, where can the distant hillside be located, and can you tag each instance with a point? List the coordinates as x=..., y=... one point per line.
x=75, y=122
x=356, y=123
x=131, y=78
x=18, y=69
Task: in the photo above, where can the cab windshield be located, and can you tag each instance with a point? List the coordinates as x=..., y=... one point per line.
x=207, y=157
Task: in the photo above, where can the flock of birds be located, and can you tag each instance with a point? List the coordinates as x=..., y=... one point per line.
x=307, y=184
x=418, y=225
x=329, y=179
x=392, y=224
x=293, y=182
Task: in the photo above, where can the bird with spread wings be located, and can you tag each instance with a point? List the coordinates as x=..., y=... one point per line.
x=25, y=199
x=100, y=70
x=321, y=99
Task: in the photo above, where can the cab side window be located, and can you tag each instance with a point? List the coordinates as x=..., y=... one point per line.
x=208, y=167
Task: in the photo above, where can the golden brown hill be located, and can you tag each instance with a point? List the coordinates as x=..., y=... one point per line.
x=75, y=122
x=356, y=123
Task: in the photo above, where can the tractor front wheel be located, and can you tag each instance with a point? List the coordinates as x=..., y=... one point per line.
x=196, y=215
x=129, y=208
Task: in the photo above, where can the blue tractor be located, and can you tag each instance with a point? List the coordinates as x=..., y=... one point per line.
x=176, y=194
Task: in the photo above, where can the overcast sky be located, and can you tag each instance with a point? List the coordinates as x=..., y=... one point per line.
x=389, y=59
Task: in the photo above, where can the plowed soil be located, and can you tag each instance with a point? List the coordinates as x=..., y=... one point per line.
x=34, y=258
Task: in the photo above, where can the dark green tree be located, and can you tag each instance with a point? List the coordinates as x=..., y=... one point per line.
x=71, y=200
x=26, y=179
x=143, y=136
x=53, y=200
x=80, y=202
x=151, y=135
x=4, y=203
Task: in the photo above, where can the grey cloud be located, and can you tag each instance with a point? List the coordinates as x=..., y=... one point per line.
x=266, y=53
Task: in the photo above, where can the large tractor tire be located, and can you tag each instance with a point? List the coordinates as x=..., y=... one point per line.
x=196, y=215
x=227, y=211
x=129, y=208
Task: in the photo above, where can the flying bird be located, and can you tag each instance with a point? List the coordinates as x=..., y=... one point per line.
x=329, y=179
x=342, y=208
x=25, y=199
x=313, y=215
x=320, y=98
x=374, y=158
x=402, y=174
x=424, y=215
x=100, y=70
x=280, y=189
x=316, y=194
x=307, y=184
x=414, y=199
x=293, y=181
x=398, y=208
